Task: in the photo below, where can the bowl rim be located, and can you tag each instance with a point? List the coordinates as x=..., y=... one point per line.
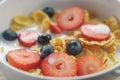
x=64, y=78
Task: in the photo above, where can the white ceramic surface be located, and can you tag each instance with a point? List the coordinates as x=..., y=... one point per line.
x=11, y=8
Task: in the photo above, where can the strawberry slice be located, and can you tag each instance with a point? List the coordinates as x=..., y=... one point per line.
x=27, y=38
x=89, y=64
x=96, y=32
x=23, y=59
x=71, y=18
x=59, y=65
x=55, y=29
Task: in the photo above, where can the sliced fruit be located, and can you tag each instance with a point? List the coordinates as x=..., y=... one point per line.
x=71, y=18
x=23, y=59
x=96, y=32
x=27, y=38
x=89, y=64
x=59, y=65
x=55, y=29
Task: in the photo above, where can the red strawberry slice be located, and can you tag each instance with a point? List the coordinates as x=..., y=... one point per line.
x=96, y=32
x=55, y=29
x=71, y=18
x=23, y=59
x=59, y=65
x=27, y=38
x=89, y=64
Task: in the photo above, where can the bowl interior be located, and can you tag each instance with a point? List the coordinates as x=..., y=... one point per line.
x=101, y=8
x=12, y=8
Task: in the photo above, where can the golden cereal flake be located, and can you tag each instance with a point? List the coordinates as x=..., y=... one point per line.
x=36, y=48
x=84, y=41
x=73, y=57
x=106, y=60
x=35, y=71
x=58, y=48
x=87, y=17
x=112, y=57
x=109, y=43
x=90, y=18
x=45, y=25
x=111, y=49
x=70, y=38
x=16, y=27
x=38, y=16
x=97, y=50
x=77, y=34
x=23, y=20
x=117, y=37
x=112, y=22
x=95, y=21
x=59, y=44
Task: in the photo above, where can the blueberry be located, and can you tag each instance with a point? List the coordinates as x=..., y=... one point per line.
x=44, y=39
x=9, y=35
x=46, y=50
x=74, y=47
x=49, y=11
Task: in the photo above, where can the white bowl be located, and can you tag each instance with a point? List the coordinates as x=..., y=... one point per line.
x=11, y=8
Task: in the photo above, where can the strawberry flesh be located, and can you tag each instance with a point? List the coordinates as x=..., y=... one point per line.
x=59, y=65
x=55, y=29
x=27, y=38
x=89, y=64
x=97, y=32
x=71, y=18
x=23, y=59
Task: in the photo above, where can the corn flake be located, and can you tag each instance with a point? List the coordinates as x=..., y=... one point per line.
x=113, y=23
x=16, y=27
x=38, y=16
x=117, y=37
x=59, y=44
x=35, y=71
x=23, y=20
x=84, y=41
x=45, y=24
x=87, y=16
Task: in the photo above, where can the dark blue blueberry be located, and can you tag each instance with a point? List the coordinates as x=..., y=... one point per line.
x=49, y=11
x=44, y=39
x=9, y=35
x=46, y=50
x=74, y=47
